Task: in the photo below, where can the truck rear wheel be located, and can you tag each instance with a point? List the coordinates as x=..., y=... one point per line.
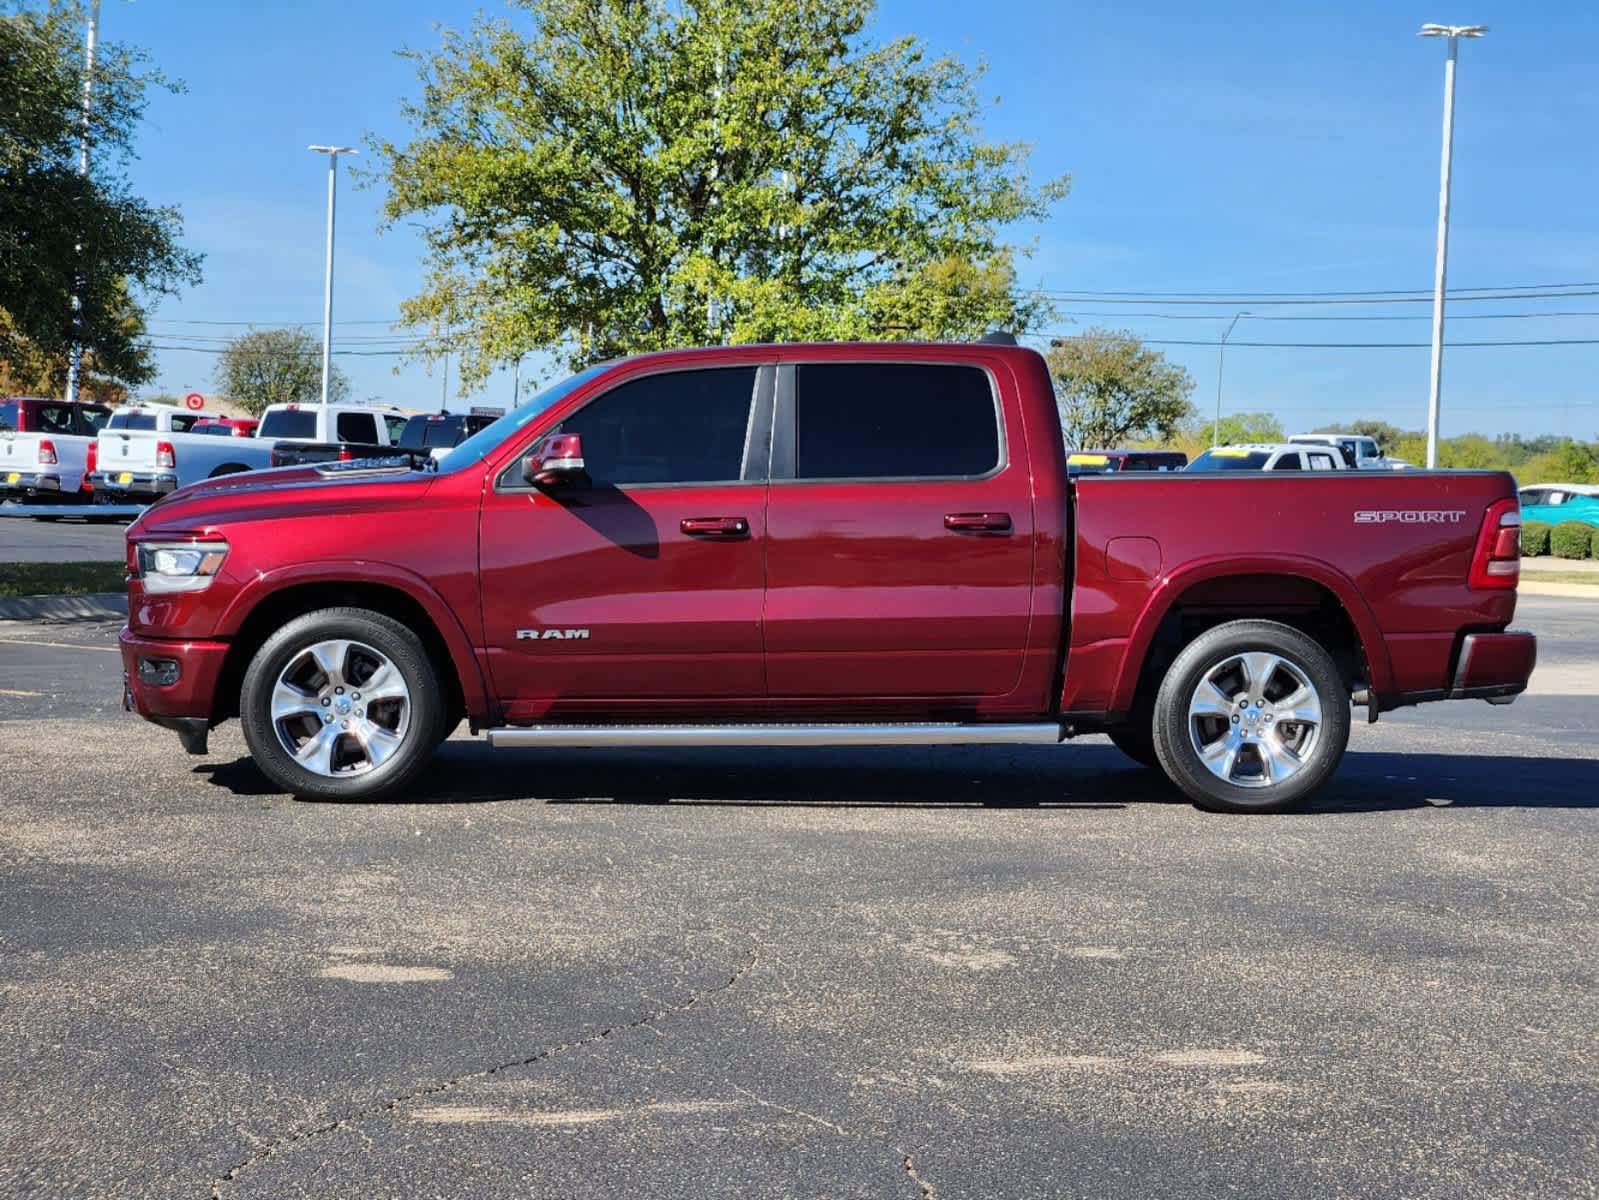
x=342, y=704
x=1253, y=716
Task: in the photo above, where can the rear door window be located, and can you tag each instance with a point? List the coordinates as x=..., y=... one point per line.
x=1288, y=462
x=357, y=427
x=894, y=421
x=92, y=420
x=55, y=418
x=183, y=422
x=1322, y=462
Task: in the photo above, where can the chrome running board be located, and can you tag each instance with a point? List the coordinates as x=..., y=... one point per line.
x=950, y=734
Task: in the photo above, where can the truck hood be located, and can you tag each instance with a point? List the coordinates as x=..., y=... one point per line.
x=279, y=493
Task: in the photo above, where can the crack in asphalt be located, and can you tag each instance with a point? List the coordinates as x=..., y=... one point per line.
x=907, y=1159
x=272, y=1146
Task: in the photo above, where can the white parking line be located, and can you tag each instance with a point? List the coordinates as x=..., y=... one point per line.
x=18, y=692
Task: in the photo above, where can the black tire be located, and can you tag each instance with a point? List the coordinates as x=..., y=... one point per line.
x=227, y=469
x=1175, y=744
x=1136, y=740
x=403, y=648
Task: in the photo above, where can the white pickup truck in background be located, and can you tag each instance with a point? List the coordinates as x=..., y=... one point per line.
x=46, y=449
x=303, y=434
x=146, y=451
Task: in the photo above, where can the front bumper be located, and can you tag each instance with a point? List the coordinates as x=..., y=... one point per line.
x=187, y=702
x=1494, y=666
x=143, y=483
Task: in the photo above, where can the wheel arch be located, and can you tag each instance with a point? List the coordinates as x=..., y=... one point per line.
x=279, y=598
x=1304, y=593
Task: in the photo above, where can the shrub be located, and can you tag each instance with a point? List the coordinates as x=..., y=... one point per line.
x=1535, y=538
x=1571, y=539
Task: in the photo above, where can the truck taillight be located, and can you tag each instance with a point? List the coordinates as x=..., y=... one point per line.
x=1497, y=562
x=165, y=456
x=90, y=463
x=47, y=452
x=345, y=455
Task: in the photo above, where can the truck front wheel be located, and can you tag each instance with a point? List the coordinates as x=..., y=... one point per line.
x=342, y=704
x=1253, y=716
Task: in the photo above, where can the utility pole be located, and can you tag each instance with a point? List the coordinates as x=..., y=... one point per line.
x=1434, y=392
x=333, y=153
x=1221, y=362
x=516, y=382
x=75, y=351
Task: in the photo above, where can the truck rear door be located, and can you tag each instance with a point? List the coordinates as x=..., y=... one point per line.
x=899, y=535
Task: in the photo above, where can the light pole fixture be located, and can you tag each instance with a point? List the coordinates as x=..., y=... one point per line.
x=333, y=153
x=75, y=350
x=1454, y=33
x=1221, y=362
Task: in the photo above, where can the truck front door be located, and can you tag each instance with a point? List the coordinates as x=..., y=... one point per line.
x=900, y=538
x=645, y=588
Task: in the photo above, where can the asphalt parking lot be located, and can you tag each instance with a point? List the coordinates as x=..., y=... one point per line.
x=71, y=538
x=941, y=973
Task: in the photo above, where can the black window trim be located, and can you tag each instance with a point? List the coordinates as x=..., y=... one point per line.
x=785, y=426
x=757, y=433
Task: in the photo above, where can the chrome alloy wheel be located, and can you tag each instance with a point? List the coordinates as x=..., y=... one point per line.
x=340, y=708
x=1255, y=719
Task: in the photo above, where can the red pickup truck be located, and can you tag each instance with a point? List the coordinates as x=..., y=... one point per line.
x=814, y=545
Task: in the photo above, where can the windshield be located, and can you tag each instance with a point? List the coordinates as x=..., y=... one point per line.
x=476, y=447
x=1230, y=460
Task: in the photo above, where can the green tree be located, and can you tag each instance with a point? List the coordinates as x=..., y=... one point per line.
x=276, y=366
x=1111, y=389
x=129, y=248
x=625, y=175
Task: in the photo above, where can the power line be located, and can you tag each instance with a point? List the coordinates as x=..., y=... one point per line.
x=1341, y=345
x=1425, y=293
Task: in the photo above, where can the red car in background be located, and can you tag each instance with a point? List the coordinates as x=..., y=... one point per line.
x=226, y=426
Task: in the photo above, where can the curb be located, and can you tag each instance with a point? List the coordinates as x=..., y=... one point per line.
x=97, y=607
x=1578, y=591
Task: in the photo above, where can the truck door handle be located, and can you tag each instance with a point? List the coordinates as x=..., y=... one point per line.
x=977, y=522
x=727, y=529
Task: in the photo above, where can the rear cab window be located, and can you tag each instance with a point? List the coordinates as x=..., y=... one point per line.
x=895, y=421
x=10, y=416
x=297, y=423
x=1228, y=459
x=132, y=422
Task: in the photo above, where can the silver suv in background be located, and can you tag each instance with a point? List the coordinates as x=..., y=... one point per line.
x=1360, y=453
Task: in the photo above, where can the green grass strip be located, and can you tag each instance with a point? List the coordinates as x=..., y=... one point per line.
x=61, y=579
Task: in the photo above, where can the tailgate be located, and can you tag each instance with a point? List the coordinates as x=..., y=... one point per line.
x=18, y=452
x=132, y=452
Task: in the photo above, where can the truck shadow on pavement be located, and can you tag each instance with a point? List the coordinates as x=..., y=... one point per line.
x=1089, y=776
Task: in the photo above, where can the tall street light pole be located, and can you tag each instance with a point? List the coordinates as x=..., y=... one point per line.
x=1454, y=33
x=1221, y=362
x=75, y=351
x=333, y=153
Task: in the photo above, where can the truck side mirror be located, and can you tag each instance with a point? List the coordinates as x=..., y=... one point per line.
x=556, y=461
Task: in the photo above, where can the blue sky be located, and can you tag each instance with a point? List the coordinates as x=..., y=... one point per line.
x=1247, y=147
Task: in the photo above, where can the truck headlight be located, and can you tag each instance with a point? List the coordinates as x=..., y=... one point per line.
x=179, y=566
